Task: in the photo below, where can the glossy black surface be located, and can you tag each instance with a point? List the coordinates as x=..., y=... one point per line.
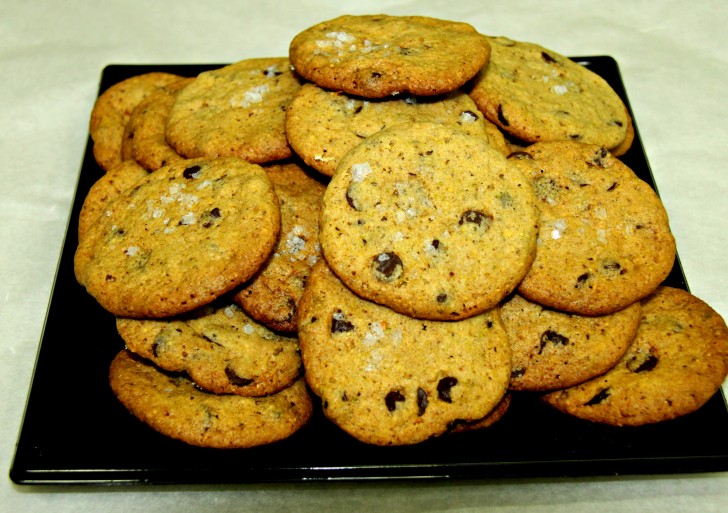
x=75, y=431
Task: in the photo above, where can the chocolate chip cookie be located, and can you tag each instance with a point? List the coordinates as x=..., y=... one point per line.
x=323, y=125
x=112, y=110
x=219, y=347
x=553, y=349
x=237, y=110
x=678, y=360
x=375, y=56
x=181, y=237
x=389, y=379
x=536, y=94
x=429, y=221
x=271, y=296
x=172, y=405
x=604, y=237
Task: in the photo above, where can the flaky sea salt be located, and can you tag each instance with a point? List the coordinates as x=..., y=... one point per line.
x=468, y=117
x=374, y=335
x=204, y=184
x=188, y=218
x=360, y=171
x=272, y=71
x=131, y=251
x=560, y=89
x=248, y=329
x=341, y=36
x=254, y=95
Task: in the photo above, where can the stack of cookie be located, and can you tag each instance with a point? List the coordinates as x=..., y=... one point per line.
x=417, y=218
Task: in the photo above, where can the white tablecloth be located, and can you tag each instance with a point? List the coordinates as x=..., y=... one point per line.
x=673, y=56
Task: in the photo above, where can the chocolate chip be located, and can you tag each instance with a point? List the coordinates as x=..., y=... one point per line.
x=501, y=117
x=339, y=324
x=598, y=159
x=638, y=365
x=235, y=379
x=476, y=217
x=548, y=58
x=208, y=218
x=444, y=386
x=435, y=243
x=392, y=398
x=191, y=172
x=612, y=268
x=550, y=336
x=441, y=298
x=598, y=398
x=582, y=280
x=421, y=402
x=388, y=267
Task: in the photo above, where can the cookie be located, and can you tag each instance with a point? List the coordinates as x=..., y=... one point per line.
x=678, y=360
x=389, y=379
x=272, y=296
x=537, y=95
x=181, y=237
x=172, y=405
x=145, y=138
x=604, y=236
x=323, y=125
x=375, y=56
x=626, y=144
x=494, y=416
x=553, y=349
x=112, y=111
x=237, y=110
x=108, y=187
x=429, y=221
x=219, y=347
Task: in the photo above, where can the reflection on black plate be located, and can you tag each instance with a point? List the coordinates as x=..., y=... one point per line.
x=75, y=431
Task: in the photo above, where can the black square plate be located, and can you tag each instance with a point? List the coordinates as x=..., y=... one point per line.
x=75, y=431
